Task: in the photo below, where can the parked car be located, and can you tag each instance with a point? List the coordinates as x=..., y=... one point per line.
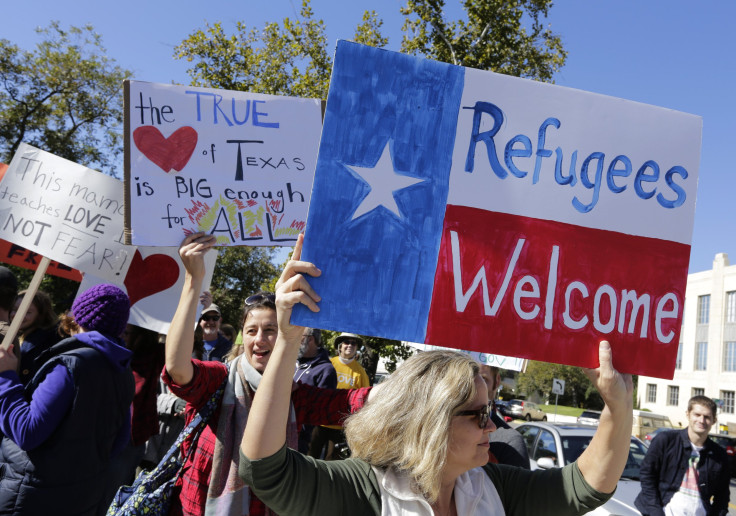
x=651, y=435
x=728, y=442
x=523, y=409
x=589, y=417
x=646, y=422
x=554, y=446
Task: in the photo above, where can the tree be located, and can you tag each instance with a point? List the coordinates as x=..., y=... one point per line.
x=579, y=391
x=506, y=37
x=290, y=59
x=64, y=97
x=240, y=272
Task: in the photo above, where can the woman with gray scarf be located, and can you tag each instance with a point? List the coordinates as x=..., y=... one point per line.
x=210, y=483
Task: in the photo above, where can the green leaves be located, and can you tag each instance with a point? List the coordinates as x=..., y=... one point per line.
x=498, y=35
x=65, y=97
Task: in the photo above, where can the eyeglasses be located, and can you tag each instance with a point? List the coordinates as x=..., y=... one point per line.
x=257, y=298
x=349, y=342
x=483, y=414
x=211, y=318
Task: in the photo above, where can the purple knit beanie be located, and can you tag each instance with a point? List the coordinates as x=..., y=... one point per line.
x=103, y=308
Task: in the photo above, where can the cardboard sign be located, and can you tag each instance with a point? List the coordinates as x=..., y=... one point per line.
x=233, y=164
x=67, y=212
x=490, y=213
x=21, y=257
x=154, y=283
x=500, y=361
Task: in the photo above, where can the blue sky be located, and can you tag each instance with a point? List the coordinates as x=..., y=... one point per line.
x=674, y=54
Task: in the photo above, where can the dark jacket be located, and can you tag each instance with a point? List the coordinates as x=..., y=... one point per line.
x=67, y=473
x=316, y=371
x=219, y=350
x=664, y=468
x=34, y=345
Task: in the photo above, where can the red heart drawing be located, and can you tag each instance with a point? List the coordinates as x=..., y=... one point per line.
x=168, y=153
x=147, y=277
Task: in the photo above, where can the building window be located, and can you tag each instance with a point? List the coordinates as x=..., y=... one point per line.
x=701, y=356
x=698, y=391
x=678, y=362
x=673, y=395
x=729, y=356
x=651, y=393
x=727, y=400
x=731, y=306
x=703, y=309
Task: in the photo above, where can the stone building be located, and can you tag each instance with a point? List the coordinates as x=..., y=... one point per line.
x=706, y=358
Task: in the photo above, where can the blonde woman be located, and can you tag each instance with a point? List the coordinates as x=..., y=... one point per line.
x=420, y=446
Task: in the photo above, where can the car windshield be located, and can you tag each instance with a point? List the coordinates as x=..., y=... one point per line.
x=574, y=445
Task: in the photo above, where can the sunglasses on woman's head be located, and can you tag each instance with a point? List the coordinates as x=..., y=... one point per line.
x=483, y=414
x=257, y=298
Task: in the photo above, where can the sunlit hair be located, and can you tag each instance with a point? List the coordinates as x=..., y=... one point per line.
x=262, y=300
x=46, y=317
x=68, y=327
x=235, y=351
x=704, y=401
x=406, y=425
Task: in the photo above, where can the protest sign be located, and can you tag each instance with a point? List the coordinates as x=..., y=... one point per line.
x=500, y=361
x=65, y=211
x=233, y=164
x=490, y=213
x=21, y=257
x=154, y=283
x=14, y=254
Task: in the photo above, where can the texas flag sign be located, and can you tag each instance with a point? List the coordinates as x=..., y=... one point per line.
x=468, y=209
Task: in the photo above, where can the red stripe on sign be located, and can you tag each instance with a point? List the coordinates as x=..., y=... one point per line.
x=549, y=291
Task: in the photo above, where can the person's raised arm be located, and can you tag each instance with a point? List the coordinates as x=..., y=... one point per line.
x=265, y=432
x=180, y=339
x=603, y=461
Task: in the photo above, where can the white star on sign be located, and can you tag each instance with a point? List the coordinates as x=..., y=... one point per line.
x=383, y=182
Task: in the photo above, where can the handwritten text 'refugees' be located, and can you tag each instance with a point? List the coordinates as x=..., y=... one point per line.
x=646, y=182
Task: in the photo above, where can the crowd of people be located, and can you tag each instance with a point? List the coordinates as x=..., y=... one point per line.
x=87, y=400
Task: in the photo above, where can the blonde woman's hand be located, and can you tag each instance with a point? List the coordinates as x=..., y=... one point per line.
x=293, y=288
x=615, y=388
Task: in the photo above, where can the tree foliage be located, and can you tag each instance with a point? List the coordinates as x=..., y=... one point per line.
x=65, y=97
x=498, y=35
x=579, y=391
x=290, y=58
x=240, y=272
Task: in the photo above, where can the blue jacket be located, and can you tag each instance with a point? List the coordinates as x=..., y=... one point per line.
x=664, y=468
x=67, y=471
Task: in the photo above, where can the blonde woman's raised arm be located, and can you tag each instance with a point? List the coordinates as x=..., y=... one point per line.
x=265, y=432
x=603, y=462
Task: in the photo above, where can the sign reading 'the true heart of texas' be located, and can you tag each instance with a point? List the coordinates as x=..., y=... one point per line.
x=233, y=164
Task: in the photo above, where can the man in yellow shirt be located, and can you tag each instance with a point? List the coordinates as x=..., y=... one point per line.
x=350, y=375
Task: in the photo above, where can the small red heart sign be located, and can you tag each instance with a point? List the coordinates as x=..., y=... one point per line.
x=149, y=276
x=168, y=153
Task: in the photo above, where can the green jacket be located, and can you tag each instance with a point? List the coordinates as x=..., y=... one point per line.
x=293, y=484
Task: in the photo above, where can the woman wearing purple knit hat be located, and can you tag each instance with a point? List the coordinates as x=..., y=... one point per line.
x=61, y=430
